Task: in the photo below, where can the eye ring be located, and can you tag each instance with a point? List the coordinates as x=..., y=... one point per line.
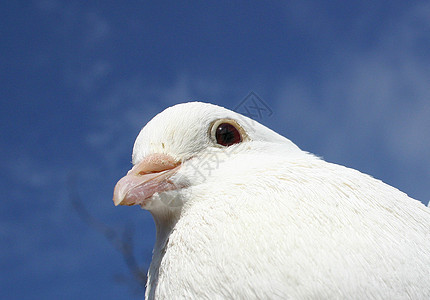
x=227, y=132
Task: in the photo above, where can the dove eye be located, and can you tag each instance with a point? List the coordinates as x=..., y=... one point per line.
x=227, y=132
x=227, y=135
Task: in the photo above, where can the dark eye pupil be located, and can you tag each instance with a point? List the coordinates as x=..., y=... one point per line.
x=227, y=135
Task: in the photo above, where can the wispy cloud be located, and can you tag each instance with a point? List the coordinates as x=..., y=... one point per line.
x=373, y=98
x=131, y=103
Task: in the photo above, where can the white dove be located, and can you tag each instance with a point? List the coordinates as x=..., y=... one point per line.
x=242, y=213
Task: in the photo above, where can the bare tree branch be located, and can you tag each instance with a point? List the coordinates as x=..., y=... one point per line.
x=123, y=241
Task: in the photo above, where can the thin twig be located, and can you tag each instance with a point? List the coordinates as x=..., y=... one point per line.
x=121, y=242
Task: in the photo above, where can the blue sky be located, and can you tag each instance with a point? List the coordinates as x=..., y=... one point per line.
x=348, y=81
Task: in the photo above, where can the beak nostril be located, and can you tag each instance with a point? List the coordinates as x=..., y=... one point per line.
x=144, y=180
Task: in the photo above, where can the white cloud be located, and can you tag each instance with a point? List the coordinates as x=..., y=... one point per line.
x=378, y=95
x=82, y=32
x=97, y=28
x=31, y=173
x=387, y=88
x=89, y=79
x=307, y=17
x=94, y=26
x=130, y=104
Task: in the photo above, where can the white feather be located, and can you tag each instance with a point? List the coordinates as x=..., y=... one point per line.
x=269, y=221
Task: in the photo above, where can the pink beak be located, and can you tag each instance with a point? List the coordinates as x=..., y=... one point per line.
x=145, y=179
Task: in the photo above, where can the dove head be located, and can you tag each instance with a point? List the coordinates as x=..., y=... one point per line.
x=185, y=130
x=186, y=145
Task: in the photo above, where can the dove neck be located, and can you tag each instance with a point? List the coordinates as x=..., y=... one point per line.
x=164, y=223
x=165, y=220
